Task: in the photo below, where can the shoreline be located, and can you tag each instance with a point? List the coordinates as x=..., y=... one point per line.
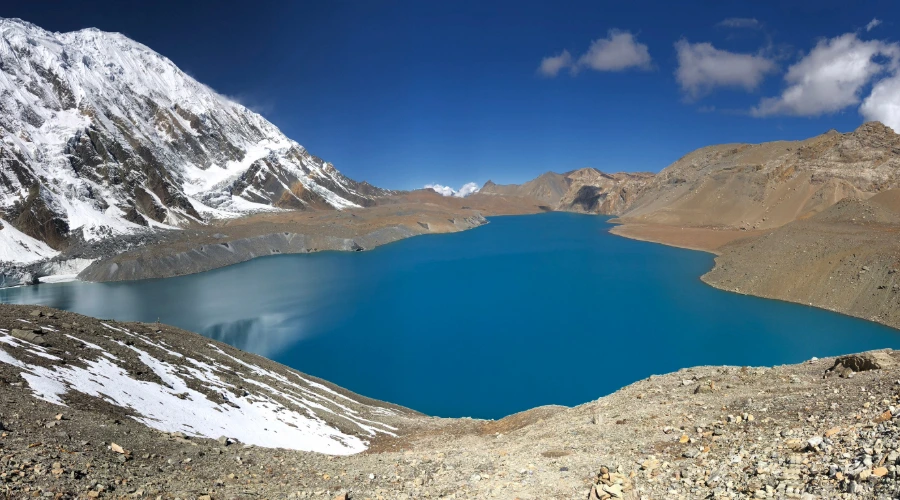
x=710, y=239
x=232, y=241
x=649, y=430
x=656, y=233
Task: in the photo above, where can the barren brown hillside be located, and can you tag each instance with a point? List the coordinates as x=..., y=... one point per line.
x=764, y=186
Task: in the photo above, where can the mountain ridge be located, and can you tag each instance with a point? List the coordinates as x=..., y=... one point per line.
x=766, y=185
x=585, y=190
x=102, y=136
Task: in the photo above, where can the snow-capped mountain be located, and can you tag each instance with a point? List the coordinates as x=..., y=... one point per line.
x=100, y=135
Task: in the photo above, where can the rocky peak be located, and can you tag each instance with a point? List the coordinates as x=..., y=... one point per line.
x=875, y=134
x=116, y=139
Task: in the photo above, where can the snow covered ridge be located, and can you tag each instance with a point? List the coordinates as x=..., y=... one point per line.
x=176, y=381
x=100, y=135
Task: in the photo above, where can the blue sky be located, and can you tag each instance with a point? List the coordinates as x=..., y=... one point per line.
x=407, y=93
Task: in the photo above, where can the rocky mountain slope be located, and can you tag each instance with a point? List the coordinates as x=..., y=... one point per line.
x=813, y=222
x=101, y=409
x=172, y=381
x=101, y=136
x=763, y=186
x=586, y=190
x=845, y=259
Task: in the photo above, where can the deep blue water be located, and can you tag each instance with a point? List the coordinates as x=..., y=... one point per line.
x=526, y=311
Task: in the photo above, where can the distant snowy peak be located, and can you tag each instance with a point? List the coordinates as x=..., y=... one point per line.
x=100, y=135
x=466, y=189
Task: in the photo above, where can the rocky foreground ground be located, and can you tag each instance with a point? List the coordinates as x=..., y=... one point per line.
x=823, y=428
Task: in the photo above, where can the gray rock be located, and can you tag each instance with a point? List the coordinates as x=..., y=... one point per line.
x=28, y=336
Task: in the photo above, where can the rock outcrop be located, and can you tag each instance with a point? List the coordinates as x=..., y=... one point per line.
x=586, y=190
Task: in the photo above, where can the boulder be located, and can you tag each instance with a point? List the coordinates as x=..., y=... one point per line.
x=28, y=336
x=866, y=361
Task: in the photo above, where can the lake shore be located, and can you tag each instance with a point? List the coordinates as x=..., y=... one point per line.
x=691, y=238
x=843, y=260
x=821, y=429
x=232, y=241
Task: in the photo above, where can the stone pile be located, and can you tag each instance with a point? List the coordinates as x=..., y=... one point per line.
x=611, y=485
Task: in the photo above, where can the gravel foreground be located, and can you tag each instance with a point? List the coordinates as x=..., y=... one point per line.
x=824, y=428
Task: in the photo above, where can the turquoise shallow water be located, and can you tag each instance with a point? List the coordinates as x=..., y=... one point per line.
x=526, y=311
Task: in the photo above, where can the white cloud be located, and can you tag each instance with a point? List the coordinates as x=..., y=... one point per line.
x=467, y=189
x=618, y=51
x=701, y=67
x=441, y=190
x=830, y=77
x=883, y=104
x=873, y=24
x=550, y=66
x=739, y=22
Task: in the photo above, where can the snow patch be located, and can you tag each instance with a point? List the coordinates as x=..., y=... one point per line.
x=17, y=247
x=258, y=418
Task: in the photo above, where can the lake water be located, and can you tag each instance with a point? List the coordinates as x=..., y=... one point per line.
x=526, y=311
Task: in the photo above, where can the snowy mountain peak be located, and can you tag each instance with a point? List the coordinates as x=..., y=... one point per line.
x=100, y=135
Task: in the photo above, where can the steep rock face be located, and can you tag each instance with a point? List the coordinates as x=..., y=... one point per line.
x=768, y=185
x=586, y=190
x=592, y=191
x=99, y=135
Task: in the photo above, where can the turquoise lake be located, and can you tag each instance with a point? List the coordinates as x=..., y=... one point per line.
x=526, y=311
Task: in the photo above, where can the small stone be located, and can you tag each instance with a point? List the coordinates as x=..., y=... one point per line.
x=880, y=471
x=814, y=442
x=36, y=313
x=832, y=431
x=116, y=448
x=884, y=417
x=649, y=464
x=615, y=490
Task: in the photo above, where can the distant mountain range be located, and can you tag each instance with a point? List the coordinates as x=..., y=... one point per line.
x=100, y=136
x=586, y=190
x=743, y=186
